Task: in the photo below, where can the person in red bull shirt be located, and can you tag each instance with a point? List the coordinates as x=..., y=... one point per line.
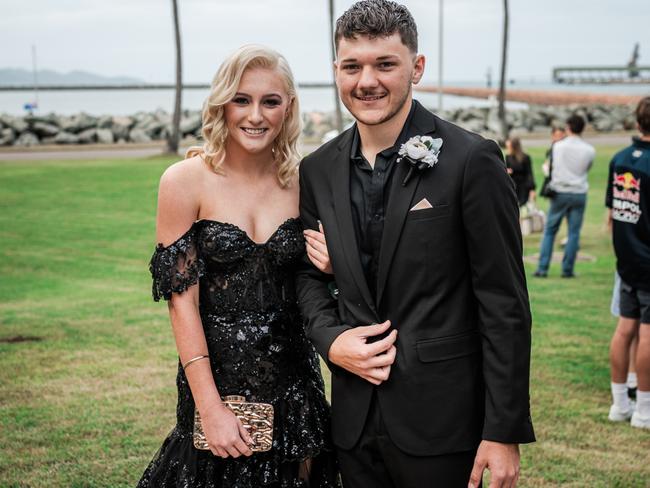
x=629, y=210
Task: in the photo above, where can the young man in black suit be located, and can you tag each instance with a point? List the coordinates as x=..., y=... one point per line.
x=428, y=339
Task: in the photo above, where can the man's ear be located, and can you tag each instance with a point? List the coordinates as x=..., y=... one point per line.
x=335, y=67
x=418, y=68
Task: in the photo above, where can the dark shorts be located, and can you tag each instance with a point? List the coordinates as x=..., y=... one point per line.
x=635, y=303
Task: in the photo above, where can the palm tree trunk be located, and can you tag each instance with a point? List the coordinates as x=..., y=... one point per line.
x=337, y=101
x=174, y=138
x=502, y=84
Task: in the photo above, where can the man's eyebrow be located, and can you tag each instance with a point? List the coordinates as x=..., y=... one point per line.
x=379, y=58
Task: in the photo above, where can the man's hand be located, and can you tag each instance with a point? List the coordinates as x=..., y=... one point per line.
x=372, y=362
x=501, y=459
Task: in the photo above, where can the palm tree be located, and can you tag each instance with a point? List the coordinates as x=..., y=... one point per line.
x=502, y=84
x=337, y=102
x=174, y=137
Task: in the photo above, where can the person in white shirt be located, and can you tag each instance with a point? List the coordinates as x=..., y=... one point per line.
x=571, y=159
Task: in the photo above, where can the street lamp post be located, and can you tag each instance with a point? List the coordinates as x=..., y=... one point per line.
x=440, y=37
x=35, y=72
x=337, y=103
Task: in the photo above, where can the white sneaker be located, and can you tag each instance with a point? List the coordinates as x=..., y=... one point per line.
x=640, y=422
x=618, y=415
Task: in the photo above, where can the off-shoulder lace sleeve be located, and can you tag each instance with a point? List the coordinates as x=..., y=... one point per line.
x=176, y=267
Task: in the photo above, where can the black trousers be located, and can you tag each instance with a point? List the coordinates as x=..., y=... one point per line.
x=375, y=462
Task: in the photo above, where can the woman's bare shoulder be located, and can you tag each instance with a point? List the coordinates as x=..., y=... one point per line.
x=178, y=198
x=294, y=184
x=187, y=171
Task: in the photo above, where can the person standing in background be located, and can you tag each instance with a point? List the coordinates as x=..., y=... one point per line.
x=572, y=158
x=615, y=310
x=629, y=177
x=520, y=169
x=557, y=134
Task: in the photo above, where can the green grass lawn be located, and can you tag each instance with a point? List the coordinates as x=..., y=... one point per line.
x=90, y=401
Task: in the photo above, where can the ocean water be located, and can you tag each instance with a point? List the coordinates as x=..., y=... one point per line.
x=127, y=102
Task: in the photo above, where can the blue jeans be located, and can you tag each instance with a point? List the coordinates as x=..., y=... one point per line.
x=573, y=206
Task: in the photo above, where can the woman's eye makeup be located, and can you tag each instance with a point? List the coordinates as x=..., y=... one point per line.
x=268, y=102
x=272, y=102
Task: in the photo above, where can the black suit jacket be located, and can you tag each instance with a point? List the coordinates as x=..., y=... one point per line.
x=450, y=279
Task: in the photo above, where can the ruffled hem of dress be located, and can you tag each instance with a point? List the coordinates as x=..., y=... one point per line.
x=179, y=464
x=303, y=428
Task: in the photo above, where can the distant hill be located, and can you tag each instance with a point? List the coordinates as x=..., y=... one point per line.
x=17, y=76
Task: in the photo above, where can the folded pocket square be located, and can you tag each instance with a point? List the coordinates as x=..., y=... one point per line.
x=421, y=205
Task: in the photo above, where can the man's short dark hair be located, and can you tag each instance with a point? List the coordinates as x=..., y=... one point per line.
x=576, y=124
x=643, y=115
x=377, y=18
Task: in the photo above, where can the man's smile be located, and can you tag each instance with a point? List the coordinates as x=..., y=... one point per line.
x=370, y=98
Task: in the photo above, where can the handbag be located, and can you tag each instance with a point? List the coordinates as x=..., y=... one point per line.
x=532, y=219
x=257, y=419
x=546, y=191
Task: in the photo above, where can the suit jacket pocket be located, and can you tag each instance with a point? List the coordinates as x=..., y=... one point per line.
x=428, y=213
x=443, y=348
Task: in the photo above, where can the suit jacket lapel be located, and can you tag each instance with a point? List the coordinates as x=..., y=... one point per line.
x=422, y=123
x=343, y=211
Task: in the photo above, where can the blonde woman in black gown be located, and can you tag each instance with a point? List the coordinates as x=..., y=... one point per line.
x=229, y=241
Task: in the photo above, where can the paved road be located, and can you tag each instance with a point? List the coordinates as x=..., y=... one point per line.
x=131, y=151
x=88, y=152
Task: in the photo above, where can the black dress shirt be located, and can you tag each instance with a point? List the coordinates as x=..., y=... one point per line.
x=369, y=193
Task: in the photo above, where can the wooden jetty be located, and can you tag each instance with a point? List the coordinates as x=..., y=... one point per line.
x=538, y=97
x=602, y=75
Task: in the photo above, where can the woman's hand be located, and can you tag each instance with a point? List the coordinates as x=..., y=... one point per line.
x=317, y=249
x=225, y=433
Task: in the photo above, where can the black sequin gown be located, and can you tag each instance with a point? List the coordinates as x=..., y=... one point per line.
x=257, y=349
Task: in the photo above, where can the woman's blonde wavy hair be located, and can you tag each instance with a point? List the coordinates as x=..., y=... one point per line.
x=223, y=89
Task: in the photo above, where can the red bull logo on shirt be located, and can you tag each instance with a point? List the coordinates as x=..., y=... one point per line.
x=627, y=181
x=626, y=193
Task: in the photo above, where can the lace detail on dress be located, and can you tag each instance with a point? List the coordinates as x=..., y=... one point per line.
x=176, y=267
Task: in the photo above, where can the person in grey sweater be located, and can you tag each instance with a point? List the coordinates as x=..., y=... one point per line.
x=571, y=159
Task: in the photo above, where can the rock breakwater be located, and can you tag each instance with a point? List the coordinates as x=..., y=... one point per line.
x=145, y=127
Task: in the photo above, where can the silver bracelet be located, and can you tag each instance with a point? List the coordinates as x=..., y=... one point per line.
x=194, y=360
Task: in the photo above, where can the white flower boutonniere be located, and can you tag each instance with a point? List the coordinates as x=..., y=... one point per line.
x=421, y=151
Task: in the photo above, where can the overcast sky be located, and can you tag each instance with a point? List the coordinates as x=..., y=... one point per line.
x=135, y=37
